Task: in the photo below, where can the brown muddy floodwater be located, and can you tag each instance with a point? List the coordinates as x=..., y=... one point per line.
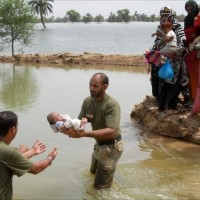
x=151, y=167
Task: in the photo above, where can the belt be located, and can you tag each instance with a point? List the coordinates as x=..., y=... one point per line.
x=117, y=139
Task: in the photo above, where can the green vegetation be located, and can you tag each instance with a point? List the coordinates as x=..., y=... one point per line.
x=16, y=23
x=87, y=18
x=41, y=7
x=99, y=18
x=73, y=16
x=123, y=15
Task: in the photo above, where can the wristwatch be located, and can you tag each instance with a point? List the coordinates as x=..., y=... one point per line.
x=50, y=158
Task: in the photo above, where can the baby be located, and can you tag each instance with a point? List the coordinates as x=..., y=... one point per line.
x=169, y=38
x=59, y=122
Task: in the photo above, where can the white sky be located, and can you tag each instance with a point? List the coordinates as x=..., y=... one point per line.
x=104, y=7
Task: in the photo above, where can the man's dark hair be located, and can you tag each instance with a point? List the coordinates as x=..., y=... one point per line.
x=104, y=77
x=8, y=119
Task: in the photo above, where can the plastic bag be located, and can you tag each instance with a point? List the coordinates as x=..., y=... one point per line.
x=166, y=72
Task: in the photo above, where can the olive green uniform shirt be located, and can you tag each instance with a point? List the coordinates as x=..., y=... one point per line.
x=12, y=162
x=102, y=114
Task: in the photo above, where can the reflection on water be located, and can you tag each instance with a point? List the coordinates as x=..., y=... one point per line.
x=151, y=166
x=17, y=87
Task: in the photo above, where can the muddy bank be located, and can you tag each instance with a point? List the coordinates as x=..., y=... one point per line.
x=178, y=124
x=79, y=59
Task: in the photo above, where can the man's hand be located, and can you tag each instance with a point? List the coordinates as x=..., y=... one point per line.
x=23, y=148
x=71, y=132
x=76, y=134
x=52, y=155
x=38, y=147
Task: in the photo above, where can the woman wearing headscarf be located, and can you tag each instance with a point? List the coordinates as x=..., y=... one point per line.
x=192, y=30
x=167, y=14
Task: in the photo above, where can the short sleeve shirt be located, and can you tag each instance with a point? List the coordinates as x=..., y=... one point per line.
x=174, y=41
x=102, y=114
x=12, y=162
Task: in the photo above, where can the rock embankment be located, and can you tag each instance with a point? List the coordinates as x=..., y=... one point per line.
x=79, y=59
x=179, y=124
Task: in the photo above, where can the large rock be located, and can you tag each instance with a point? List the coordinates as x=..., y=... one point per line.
x=177, y=124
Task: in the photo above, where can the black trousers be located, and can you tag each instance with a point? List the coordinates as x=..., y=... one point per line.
x=168, y=95
x=154, y=80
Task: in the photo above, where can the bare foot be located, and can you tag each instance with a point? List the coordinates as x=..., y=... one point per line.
x=191, y=114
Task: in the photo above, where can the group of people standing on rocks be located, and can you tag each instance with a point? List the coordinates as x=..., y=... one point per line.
x=181, y=48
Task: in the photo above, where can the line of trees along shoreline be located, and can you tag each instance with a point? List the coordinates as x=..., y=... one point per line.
x=122, y=15
x=18, y=17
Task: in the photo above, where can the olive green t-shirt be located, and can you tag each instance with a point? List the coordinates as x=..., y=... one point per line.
x=12, y=162
x=102, y=114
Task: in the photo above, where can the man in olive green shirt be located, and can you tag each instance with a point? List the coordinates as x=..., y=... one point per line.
x=103, y=112
x=16, y=161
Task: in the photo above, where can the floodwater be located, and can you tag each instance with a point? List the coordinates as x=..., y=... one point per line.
x=151, y=167
x=106, y=38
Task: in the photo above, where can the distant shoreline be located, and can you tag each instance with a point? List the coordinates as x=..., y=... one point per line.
x=79, y=59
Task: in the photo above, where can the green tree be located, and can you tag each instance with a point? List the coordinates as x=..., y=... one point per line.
x=123, y=15
x=73, y=16
x=136, y=16
x=41, y=7
x=87, y=18
x=144, y=18
x=111, y=18
x=181, y=18
x=99, y=18
x=153, y=17
x=16, y=23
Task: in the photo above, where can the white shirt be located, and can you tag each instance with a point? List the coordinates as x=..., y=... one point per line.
x=174, y=41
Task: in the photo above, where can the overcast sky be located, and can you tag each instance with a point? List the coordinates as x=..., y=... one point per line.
x=104, y=7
